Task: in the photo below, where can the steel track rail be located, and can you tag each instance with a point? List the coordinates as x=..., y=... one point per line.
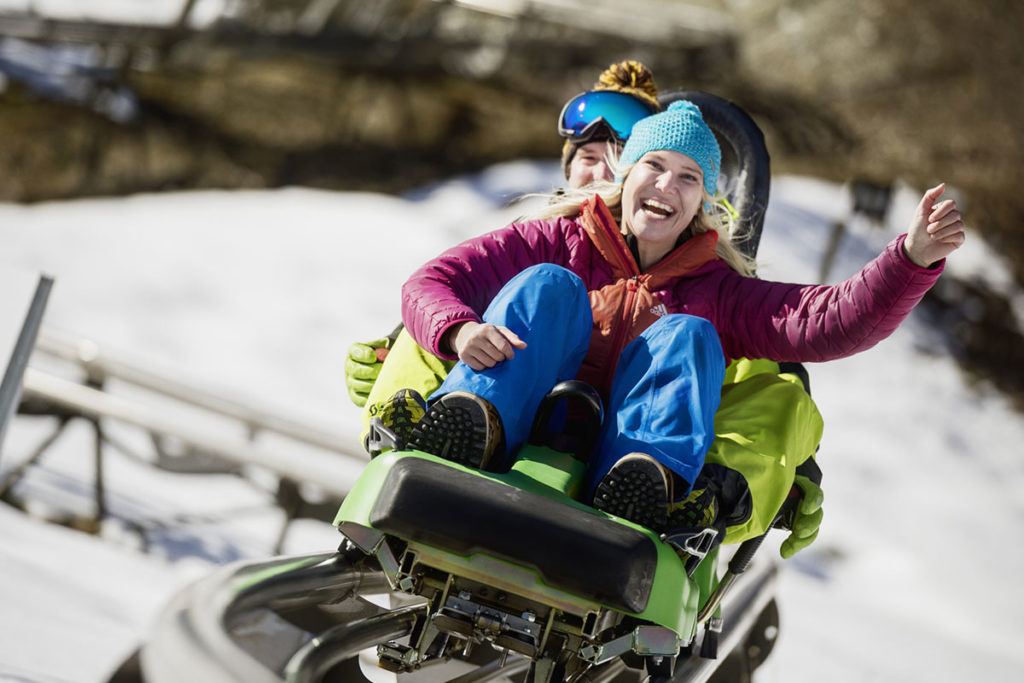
x=192, y=639
x=312, y=662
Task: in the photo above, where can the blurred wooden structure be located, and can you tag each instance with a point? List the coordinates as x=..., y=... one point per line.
x=191, y=431
x=475, y=38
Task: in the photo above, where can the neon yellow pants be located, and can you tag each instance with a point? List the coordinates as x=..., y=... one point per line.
x=765, y=427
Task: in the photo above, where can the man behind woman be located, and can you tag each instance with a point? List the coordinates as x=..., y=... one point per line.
x=593, y=125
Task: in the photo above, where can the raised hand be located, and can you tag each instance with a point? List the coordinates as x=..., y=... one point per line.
x=936, y=230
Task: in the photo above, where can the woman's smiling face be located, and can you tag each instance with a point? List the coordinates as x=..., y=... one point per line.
x=660, y=197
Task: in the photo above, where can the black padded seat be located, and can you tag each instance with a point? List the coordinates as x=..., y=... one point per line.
x=574, y=550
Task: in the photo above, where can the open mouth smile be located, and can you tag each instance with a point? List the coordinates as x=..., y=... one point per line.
x=656, y=208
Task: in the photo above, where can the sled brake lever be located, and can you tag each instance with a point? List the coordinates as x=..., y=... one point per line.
x=741, y=559
x=381, y=438
x=695, y=543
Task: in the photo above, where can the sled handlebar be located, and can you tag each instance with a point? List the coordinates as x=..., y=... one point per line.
x=745, y=553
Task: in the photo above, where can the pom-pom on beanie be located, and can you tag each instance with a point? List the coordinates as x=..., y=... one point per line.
x=632, y=78
x=679, y=128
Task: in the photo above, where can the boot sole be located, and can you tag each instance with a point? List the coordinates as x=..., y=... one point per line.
x=457, y=428
x=635, y=490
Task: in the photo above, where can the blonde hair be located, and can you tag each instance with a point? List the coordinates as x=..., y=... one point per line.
x=566, y=204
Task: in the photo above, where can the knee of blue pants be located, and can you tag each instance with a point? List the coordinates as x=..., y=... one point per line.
x=666, y=390
x=548, y=307
x=519, y=302
x=678, y=331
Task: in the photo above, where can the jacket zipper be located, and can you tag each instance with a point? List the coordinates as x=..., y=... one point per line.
x=632, y=284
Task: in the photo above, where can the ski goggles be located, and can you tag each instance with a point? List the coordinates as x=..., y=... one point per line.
x=584, y=114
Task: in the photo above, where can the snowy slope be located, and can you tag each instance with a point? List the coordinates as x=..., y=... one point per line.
x=258, y=294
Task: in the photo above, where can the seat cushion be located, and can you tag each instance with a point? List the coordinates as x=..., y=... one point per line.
x=573, y=550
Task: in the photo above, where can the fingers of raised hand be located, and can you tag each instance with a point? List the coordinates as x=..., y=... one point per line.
x=932, y=194
x=942, y=209
x=928, y=200
x=946, y=224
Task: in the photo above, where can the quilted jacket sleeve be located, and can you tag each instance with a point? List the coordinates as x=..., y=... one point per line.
x=458, y=285
x=785, y=322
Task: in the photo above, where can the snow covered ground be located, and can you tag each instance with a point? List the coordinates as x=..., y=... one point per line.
x=257, y=295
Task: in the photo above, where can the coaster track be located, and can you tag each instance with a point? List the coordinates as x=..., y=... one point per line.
x=230, y=625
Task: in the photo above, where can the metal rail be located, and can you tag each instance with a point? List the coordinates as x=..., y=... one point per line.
x=101, y=365
x=317, y=657
x=195, y=637
x=17, y=363
x=333, y=474
x=200, y=635
x=192, y=639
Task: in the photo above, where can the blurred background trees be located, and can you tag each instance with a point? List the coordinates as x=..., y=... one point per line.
x=391, y=94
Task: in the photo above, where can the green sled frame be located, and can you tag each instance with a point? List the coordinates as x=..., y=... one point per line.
x=514, y=559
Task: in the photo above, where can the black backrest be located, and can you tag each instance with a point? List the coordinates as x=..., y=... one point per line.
x=745, y=177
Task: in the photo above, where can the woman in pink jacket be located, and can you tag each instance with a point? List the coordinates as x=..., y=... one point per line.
x=639, y=291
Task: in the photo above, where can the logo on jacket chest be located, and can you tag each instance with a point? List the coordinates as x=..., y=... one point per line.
x=659, y=310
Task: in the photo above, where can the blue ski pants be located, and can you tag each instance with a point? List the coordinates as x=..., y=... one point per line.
x=664, y=395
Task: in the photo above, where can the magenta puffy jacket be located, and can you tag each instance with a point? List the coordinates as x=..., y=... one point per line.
x=754, y=318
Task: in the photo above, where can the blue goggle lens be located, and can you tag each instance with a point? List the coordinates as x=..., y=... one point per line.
x=618, y=111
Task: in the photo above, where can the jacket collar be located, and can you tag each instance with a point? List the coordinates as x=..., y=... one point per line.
x=603, y=230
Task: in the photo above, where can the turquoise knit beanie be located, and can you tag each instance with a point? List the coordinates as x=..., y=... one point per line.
x=679, y=128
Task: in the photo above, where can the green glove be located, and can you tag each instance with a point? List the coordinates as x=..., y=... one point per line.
x=806, y=517
x=362, y=366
